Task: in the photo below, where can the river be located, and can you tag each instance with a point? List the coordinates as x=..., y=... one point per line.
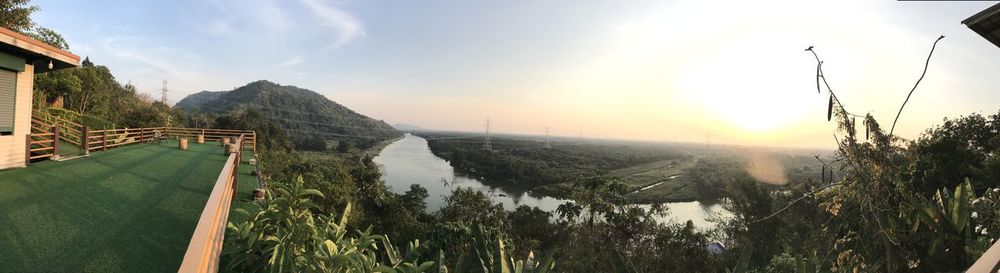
x=409, y=161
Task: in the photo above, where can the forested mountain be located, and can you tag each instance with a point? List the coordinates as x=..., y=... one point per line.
x=299, y=111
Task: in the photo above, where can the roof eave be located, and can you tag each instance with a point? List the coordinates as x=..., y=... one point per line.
x=37, y=52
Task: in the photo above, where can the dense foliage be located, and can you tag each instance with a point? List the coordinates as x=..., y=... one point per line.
x=308, y=117
x=95, y=98
x=16, y=15
x=90, y=94
x=524, y=164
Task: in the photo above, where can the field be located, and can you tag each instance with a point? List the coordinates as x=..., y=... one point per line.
x=651, y=171
x=658, y=181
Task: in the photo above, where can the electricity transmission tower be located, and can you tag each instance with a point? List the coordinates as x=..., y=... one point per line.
x=164, y=90
x=487, y=143
x=547, y=138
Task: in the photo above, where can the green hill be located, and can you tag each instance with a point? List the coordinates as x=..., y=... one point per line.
x=299, y=111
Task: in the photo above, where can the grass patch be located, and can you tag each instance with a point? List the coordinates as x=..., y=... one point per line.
x=131, y=209
x=665, y=179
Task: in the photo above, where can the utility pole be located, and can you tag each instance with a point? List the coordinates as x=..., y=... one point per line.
x=487, y=144
x=547, y=138
x=164, y=98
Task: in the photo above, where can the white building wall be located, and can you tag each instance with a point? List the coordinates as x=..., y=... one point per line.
x=12, y=147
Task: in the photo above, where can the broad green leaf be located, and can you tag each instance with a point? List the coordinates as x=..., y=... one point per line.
x=960, y=205
x=344, y=215
x=501, y=262
x=546, y=264
x=384, y=269
x=440, y=263
x=744, y=262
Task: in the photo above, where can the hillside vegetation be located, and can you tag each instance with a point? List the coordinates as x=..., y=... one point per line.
x=308, y=117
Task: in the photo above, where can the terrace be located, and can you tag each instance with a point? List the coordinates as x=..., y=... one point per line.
x=146, y=207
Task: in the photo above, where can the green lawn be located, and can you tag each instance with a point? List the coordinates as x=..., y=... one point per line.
x=67, y=149
x=130, y=209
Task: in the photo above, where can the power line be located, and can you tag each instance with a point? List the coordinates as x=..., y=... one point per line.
x=332, y=125
x=335, y=134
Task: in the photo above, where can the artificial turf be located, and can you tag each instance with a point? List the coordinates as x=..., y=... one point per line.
x=130, y=209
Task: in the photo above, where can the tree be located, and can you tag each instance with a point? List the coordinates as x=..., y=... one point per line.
x=311, y=143
x=751, y=203
x=968, y=147
x=50, y=37
x=343, y=146
x=16, y=15
x=414, y=199
x=57, y=84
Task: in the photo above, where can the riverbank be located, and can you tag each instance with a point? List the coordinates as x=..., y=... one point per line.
x=410, y=161
x=650, y=172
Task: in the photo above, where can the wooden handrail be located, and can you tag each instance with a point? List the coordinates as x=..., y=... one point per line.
x=204, y=250
x=988, y=262
x=92, y=140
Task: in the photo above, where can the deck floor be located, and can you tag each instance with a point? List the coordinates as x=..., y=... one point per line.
x=130, y=209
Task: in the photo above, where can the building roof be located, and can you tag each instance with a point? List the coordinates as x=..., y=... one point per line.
x=986, y=23
x=36, y=52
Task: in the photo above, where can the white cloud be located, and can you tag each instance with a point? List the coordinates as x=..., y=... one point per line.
x=231, y=16
x=293, y=61
x=220, y=26
x=152, y=64
x=346, y=28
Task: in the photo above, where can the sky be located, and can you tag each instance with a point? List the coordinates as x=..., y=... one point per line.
x=690, y=70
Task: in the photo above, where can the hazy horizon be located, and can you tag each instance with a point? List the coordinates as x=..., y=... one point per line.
x=643, y=70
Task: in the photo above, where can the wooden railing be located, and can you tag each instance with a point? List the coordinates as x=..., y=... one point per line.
x=107, y=139
x=203, y=252
x=45, y=137
x=249, y=137
x=988, y=262
x=72, y=132
x=42, y=142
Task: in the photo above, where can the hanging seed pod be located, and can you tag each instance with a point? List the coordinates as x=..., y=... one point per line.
x=829, y=109
x=817, y=77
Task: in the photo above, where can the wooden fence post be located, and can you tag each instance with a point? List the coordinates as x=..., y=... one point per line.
x=27, y=151
x=104, y=140
x=55, y=142
x=86, y=140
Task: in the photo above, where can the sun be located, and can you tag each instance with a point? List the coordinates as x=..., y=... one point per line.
x=745, y=88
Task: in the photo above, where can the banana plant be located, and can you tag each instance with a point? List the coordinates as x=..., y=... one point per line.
x=948, y=217
x=283, y=235
x=489, y=254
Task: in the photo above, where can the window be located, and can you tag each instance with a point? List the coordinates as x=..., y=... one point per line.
x=8, y=96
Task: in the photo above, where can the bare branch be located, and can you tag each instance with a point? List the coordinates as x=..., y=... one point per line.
x=926, y=64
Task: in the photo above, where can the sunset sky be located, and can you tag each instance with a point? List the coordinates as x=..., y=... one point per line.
x=653, y=70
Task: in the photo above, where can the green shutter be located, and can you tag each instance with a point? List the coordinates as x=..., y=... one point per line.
x=11, y=62
x=8, y=95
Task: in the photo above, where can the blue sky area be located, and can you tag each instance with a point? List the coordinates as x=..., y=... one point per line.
x=659, y=70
